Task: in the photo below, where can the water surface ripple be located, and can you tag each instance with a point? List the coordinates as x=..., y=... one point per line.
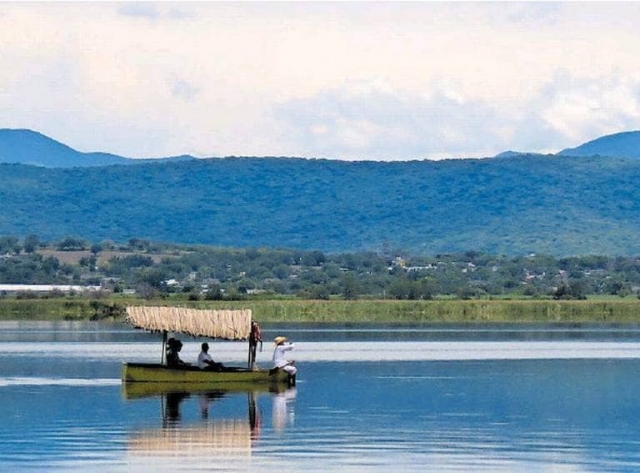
x=427, y=398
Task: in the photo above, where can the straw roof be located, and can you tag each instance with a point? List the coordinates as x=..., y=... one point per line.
x=227, y=324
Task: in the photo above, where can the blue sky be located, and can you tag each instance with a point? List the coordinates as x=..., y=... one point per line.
x=343, y=80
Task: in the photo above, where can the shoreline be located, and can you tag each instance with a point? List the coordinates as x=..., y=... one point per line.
x=340, y=311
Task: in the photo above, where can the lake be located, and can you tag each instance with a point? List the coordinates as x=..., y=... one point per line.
x=368, y=398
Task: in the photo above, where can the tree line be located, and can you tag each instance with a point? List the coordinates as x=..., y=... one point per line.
x=150, y=269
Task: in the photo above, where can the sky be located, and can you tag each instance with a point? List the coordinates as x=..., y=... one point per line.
x=339, y=80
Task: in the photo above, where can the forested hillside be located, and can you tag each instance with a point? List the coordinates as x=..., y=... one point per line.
x=515, y=206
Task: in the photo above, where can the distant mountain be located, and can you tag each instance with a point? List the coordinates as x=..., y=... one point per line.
x=508, y=154
x=515, y=206
x=515, y=154
x=620, y=145
x=524, y=203
x=31, y=147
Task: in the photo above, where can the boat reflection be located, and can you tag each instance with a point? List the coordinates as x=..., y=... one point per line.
x=208, y=434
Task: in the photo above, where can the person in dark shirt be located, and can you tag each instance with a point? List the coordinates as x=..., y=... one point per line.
x=254, y=338
x=173, y=349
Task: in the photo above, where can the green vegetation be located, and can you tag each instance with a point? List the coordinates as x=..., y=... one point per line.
x=525, y=204
x=64, y=308
x=361, y=311
x=152, y=270
x=310, y=286
x=321, y=240
x=441, y=311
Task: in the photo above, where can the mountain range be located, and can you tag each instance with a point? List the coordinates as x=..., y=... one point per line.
x=622, y=145
x=572, y=203
x=31, y=147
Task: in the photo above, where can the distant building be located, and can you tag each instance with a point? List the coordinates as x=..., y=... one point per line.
x=47, y=288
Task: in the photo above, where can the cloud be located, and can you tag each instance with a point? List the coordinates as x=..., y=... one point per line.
x=367, y=121
x=139, y=10
x=530, y=14
x=578, y=107
x=184, y=90
x=349, y=80
x=154, y=11
x=570, y=110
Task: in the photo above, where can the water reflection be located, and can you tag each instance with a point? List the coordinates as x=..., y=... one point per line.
x=171, y=410
x=283, y=409
x=206, y=398
x=215, y=432
x=439, y=400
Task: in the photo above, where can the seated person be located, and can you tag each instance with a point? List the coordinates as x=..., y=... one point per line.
x=173, y=358
x=279, y=360
x=205, y=362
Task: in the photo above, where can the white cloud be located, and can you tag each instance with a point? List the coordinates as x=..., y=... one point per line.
x=364, y=122
x=361, y=121
x=351, y=80
x=578, y=108
x=185, y=90
x=139, y=10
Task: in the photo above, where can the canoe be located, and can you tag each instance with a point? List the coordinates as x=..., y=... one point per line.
x=158, y=373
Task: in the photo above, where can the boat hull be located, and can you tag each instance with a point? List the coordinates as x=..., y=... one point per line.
x=156, y=373
x=143, y=390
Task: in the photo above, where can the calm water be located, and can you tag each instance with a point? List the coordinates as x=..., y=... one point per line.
x=437, y=398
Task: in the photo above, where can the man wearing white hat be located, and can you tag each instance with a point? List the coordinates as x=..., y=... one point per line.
x=279, y=361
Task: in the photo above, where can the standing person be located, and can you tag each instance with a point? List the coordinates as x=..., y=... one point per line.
x=254, y=338
x=279, y=360
x=205, y=362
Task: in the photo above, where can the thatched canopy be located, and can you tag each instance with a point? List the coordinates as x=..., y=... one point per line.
x=227, y=324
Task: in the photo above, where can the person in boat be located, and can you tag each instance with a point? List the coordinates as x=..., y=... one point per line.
x=205, y=362
x=279, y=360
x=173, y=349
x=255, y=337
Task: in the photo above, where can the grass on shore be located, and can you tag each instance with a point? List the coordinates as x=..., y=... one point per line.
x=338, y=311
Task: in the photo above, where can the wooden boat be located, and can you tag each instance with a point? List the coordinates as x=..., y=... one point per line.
x=137, y=390
x=158, y=373
x=224, y=324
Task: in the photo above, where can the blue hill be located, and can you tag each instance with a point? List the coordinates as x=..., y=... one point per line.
x=21, y=146
x=619, y=145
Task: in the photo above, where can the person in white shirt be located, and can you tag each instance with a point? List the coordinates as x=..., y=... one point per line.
x=279, y=360
x=205, y=362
